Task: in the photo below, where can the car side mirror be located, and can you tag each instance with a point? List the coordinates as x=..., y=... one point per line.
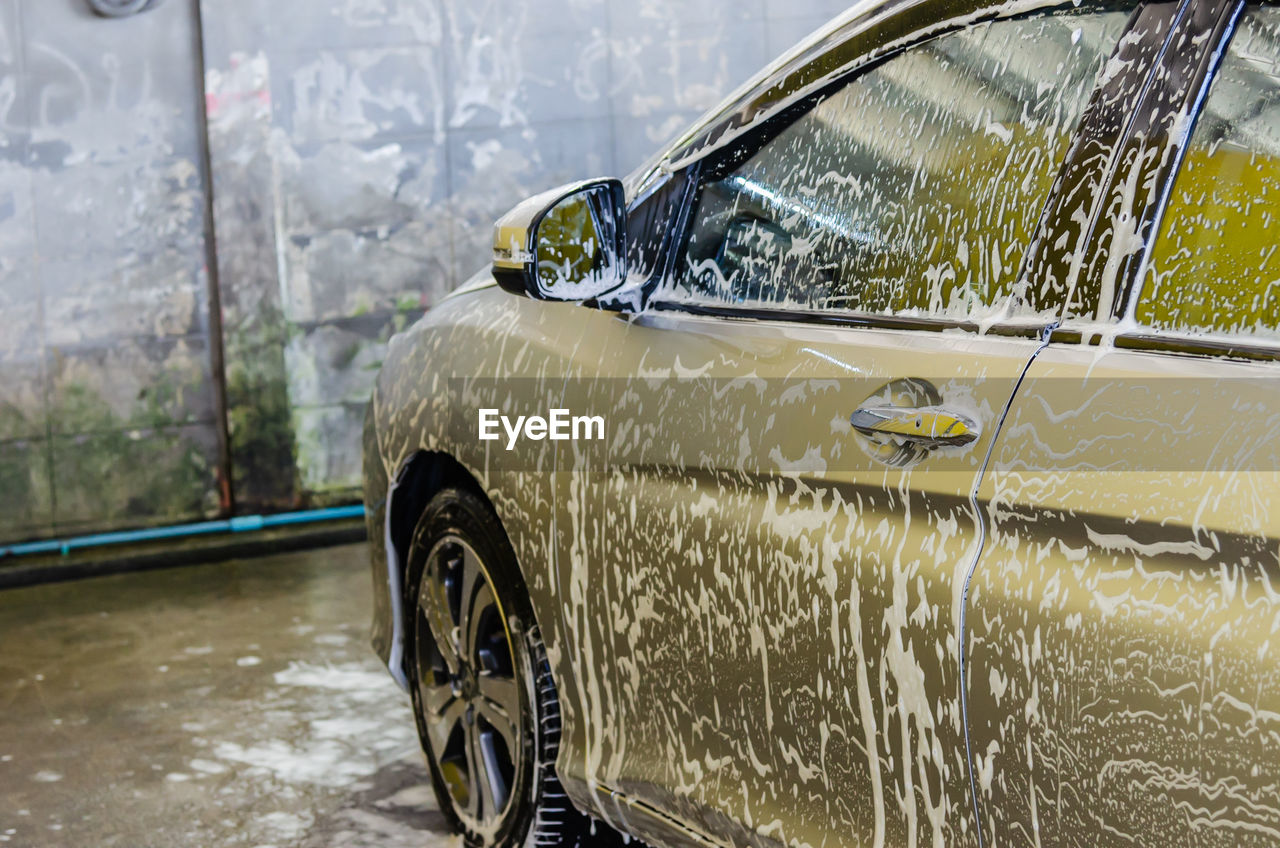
x=569, y=243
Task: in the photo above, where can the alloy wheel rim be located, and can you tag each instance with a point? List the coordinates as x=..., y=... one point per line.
x=467, y=684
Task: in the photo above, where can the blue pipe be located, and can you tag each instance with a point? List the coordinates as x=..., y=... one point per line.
x=239, y=524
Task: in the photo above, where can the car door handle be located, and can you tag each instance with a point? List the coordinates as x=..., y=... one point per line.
x=927, y=426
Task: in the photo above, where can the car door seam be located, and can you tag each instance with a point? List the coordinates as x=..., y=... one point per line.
x=973, y=565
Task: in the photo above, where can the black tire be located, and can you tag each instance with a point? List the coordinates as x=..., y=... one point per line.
x=457, y=523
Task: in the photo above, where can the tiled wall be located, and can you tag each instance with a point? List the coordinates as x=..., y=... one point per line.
x=359, y=152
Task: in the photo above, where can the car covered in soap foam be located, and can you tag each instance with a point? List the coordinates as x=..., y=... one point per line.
x=935, y=499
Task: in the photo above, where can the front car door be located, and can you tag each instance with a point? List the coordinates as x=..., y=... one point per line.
x=1125, y=615
x=763, y=604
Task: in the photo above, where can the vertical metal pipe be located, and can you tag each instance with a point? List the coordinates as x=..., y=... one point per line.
x=217, y=362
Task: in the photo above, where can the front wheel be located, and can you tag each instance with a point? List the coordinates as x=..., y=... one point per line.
x=486, y=707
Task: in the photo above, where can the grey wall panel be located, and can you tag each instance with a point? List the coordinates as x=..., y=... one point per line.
x=105, y=417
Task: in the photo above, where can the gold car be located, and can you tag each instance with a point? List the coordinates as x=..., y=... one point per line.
x=891, y=461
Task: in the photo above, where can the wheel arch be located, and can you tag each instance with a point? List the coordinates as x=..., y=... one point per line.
x=422, y=476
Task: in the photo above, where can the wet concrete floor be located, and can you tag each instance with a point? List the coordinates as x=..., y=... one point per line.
x=236, y=704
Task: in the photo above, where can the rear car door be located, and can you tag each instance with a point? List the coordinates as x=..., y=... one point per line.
x=1124, y=633
x=763, y=602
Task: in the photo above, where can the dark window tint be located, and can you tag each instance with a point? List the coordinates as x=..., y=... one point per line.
x=1214, y=268
x=913, y=189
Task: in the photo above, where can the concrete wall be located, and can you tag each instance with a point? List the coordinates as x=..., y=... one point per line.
x=358, y=150
x=106, y=410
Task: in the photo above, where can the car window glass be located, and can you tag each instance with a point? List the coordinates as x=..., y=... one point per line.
x=1214, y=267
x=912, y=190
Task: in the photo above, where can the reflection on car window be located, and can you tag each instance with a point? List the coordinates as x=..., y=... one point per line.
x=1214, y=268
x=913, y=189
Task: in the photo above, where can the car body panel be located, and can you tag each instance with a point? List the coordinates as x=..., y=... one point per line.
x=385, y=623
x=752, y=593
x=1124, y=620
x=481, y=349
